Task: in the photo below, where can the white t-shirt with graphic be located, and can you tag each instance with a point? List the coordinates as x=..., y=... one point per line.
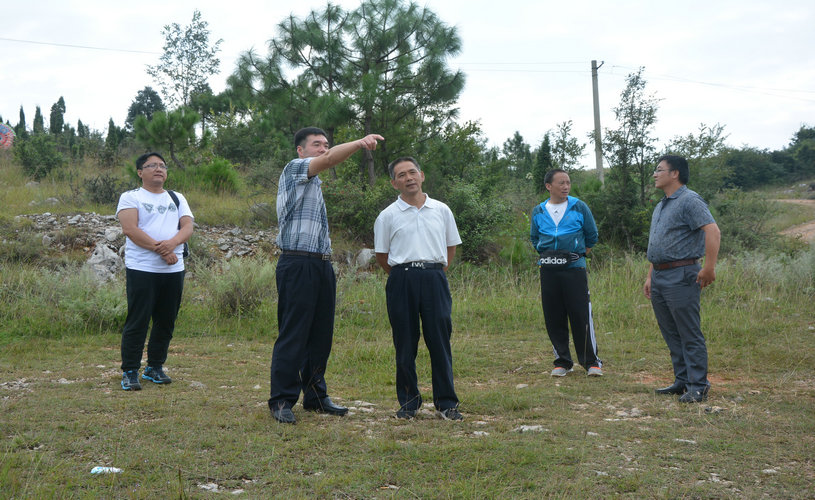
x=158, y=217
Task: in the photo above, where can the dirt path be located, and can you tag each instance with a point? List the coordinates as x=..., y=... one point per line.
x=806, y=230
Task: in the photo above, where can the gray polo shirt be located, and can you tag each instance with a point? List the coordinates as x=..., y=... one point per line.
x=675, y=227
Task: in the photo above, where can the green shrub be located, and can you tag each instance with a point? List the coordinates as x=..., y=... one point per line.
x=104, y=189
x=39, y=155
x=354, y=206
x=239, y=286
x=216, y=176
x=478, y=217
x=743, y=219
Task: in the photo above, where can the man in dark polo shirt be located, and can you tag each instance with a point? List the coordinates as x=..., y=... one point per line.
x=682, y=231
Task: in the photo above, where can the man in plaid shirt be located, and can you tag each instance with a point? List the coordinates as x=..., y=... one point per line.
x=306, y=285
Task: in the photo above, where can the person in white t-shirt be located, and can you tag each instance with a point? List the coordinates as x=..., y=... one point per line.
x=415, y=240
x=156, y=224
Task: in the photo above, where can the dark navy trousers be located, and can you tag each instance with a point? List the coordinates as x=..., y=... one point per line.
x=415, y=294
x=306, y=288
x=155, y=296
x=565, y=301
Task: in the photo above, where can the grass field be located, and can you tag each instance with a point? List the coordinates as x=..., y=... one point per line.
x=525, y=434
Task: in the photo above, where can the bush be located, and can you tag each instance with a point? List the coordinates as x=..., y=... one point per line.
x=217, y=176
x=239, y=286
x=38, y=155
x=478, y=216
x=354, y=206
x=743, y=220
x=104, y=189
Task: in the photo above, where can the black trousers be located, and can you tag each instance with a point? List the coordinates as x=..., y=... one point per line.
x=155, y=296
x=565, y=301
x=306, y=289
x=413, y=294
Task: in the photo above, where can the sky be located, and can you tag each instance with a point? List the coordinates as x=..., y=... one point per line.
x=746, y=65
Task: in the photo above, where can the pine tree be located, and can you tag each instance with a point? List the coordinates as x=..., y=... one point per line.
x=543, y=164
x=21, y=130
x=39, y=124
x=57, y=117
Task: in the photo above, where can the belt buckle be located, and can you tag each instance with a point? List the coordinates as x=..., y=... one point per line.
x=420, y=265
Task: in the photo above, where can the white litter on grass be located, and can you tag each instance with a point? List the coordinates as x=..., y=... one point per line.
x=209, y=487
x=530, y=428
x=689, y=441
x=64, y=381
x=769, y=471
x=590, y=433
x=256, y=387
x=105, y=470
x=197, y=385
x=522, y=386
x=481, y=433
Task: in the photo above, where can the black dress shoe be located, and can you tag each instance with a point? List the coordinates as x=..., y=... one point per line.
x=284, y=415
x=696, y=396
x=675, y=388
x=325, y=405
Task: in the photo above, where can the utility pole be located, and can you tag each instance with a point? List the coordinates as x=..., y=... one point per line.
x=598, y=145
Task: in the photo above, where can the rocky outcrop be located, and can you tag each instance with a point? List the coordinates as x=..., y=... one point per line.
x=101, y=238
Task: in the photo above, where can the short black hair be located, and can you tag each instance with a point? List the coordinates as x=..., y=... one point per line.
x=547, y=179
x=301, y=135
x=399, y=160
x=143, y=158
x=678, y=163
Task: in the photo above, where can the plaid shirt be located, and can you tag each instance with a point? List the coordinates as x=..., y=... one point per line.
x=301, y=217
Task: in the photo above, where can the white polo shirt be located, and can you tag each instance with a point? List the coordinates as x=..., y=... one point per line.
x=410, y=234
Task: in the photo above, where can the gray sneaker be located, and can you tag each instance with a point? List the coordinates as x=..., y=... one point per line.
x=595, y=371
x=559, y=371
x=130, y=380
x=450, y=414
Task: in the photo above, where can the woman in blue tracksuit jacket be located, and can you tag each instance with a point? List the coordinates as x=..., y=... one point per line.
x=563, y=231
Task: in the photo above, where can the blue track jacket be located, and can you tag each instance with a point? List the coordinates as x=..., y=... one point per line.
x=576, y=231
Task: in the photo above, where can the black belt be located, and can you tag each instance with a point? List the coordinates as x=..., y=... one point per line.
x=676, y=263
x=421, y=265
x=321, y=256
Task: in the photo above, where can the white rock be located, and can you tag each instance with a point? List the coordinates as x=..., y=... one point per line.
x=365, y=257
x=112, y=233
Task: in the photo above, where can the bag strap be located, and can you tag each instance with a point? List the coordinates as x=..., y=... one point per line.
x=177, y=207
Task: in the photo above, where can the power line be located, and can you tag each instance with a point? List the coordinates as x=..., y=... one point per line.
x=78, y=46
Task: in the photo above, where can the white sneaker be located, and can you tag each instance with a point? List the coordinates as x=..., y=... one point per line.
x=560, y=371
x=595, y=371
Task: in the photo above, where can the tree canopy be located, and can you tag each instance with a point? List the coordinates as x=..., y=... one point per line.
x=187, y=62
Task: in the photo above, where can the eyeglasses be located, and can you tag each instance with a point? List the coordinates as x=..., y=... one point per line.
x=659, y=170
x=155, y=165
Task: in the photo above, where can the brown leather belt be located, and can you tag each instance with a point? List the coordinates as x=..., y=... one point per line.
x=321, y=256
x=676, y=263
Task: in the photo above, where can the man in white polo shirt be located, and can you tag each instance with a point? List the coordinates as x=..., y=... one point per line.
x=415, y=240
